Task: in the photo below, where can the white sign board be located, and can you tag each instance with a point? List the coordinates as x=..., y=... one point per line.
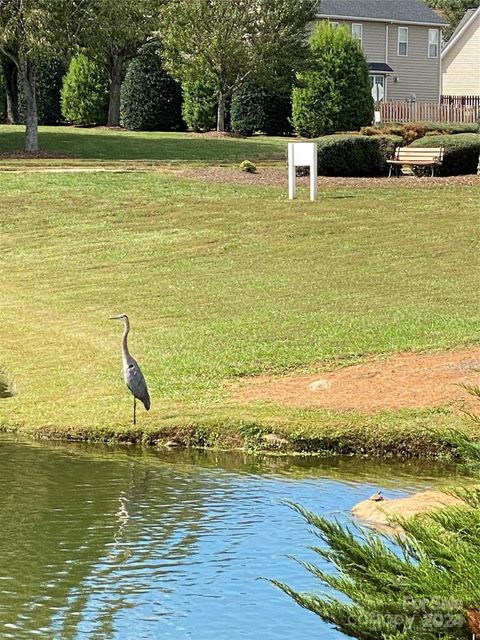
x=302, y=154
x=378, y=117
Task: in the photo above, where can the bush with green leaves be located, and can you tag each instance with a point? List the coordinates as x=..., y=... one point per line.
x=49, y=81
x=425, y=128
x=199, y=106
x=264, y=109
x=461, y=152
x=151, y=100
x=355, y=155
x=85, y=92
x=248, y=167
x=334, y=92
x=421, y=584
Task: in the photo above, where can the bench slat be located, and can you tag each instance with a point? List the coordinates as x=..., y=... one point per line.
x=417, y=156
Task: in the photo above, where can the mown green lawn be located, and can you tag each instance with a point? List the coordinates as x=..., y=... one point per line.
x=223, y=281
x=107, y=145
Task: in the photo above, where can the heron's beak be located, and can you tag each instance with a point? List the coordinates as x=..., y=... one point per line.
x=115, y=318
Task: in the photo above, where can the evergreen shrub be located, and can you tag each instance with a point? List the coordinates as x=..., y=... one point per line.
x=49, y=80
x=151, y=100
x=355, y=155
x=263, y=109
x=461, y=152
x=85, y=92
x=334, y=92
x=199, y=106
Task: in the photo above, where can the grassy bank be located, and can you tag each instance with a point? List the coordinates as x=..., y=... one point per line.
x=222, y=282
x=104, y=145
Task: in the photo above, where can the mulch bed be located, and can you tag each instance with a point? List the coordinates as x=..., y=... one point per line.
x=277, y=176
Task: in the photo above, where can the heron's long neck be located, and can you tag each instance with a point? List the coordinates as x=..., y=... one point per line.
x=125, y=351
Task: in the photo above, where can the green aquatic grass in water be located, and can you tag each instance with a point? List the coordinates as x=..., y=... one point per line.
x=220, y=282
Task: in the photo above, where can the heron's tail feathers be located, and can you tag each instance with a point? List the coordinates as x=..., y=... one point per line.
x=146, y=402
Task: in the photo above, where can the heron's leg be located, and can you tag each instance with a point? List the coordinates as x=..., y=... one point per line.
x=134, y=410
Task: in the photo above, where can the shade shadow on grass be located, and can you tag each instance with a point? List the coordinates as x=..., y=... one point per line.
x=104, y=144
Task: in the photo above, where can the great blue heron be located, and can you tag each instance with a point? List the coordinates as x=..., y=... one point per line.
x=132, y=373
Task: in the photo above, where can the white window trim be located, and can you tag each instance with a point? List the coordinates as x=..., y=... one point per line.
x=437, y=43
x=333, y=24
x=402, y=55
x=358, y=24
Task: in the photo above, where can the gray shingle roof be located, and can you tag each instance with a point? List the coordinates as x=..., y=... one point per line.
x=396, y=10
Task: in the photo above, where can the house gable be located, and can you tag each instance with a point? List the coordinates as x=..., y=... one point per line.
x=460, y=57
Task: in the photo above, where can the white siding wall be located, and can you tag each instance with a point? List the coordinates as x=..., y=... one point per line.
x=461, y=64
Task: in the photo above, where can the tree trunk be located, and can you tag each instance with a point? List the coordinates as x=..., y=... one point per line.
x=31, y=116
x=11, y=90
x=115, y=82
x=222, y=99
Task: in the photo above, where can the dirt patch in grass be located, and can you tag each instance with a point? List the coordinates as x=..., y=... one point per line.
x=277, y=176
x=403, y=381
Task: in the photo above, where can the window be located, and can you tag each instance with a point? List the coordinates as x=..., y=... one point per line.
x=433, y=43
x=403, y=41
x=357, y=32
x=334, y=25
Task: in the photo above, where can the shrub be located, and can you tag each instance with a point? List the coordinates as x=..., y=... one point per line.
x=417, y=584
x=461, y=152
x=248, y=167
x=354, y=155
x=334, y=92
x=85, y=92
x=199, y=106
x=49, y=79
x=415, y=130
x=266, y=109
x=151, y=100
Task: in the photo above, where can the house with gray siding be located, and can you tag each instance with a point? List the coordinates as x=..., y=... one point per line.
x=401, y=40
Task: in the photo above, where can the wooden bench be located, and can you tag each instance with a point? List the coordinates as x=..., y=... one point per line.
x=416, y=157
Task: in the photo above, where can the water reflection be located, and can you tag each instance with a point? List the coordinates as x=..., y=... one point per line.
x=120, y=543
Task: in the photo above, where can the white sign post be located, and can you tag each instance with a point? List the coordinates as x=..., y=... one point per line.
x=302, y=154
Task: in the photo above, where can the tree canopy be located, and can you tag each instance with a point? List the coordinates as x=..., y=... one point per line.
x=117, y=29
x=453, y=11
x=224, y=43
x=30, y=30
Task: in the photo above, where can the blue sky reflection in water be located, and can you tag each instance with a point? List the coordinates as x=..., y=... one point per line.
x=104, y=543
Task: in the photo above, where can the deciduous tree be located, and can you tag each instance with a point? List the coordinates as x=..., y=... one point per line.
x=113, y=38
x=30, y=30
x=224, y=43
x=453, y=10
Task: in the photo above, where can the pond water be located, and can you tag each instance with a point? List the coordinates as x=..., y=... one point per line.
x=122, y=543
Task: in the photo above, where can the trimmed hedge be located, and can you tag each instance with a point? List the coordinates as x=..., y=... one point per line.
x=355, y=155
x=461, y=152
x=266, y=109
x=151, y=100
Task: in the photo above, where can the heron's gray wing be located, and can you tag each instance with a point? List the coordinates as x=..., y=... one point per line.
x=136, y=383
